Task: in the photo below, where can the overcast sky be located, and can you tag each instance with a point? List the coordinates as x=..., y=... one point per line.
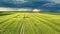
x=44, y=5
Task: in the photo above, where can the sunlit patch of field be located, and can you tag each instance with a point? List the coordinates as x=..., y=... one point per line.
x=29, y=23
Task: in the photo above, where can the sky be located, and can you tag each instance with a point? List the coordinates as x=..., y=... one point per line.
x=43, y=5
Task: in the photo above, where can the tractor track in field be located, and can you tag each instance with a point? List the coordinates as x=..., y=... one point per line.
x=22, y=25
x=21, y=29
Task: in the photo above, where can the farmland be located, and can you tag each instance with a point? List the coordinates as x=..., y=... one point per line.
x=29, y=23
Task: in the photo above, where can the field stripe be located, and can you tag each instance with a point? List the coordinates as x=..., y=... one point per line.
x=50, y=23
x=41, y=20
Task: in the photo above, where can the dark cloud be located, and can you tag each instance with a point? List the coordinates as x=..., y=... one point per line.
x=41, y=4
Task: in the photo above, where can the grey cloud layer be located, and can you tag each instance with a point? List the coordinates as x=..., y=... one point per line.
x=45, y=5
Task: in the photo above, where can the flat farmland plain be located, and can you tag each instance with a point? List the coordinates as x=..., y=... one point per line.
x=29, y=23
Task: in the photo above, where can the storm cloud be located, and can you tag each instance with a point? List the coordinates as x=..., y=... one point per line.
x=45, y=5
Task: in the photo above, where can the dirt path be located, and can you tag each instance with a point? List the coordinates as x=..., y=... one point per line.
x=22, y=29
x=22, y=25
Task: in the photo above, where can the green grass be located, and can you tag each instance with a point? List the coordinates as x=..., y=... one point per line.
x=6, y=13
x=29, y=23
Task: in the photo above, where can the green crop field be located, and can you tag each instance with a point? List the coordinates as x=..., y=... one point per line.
x=29, y=23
